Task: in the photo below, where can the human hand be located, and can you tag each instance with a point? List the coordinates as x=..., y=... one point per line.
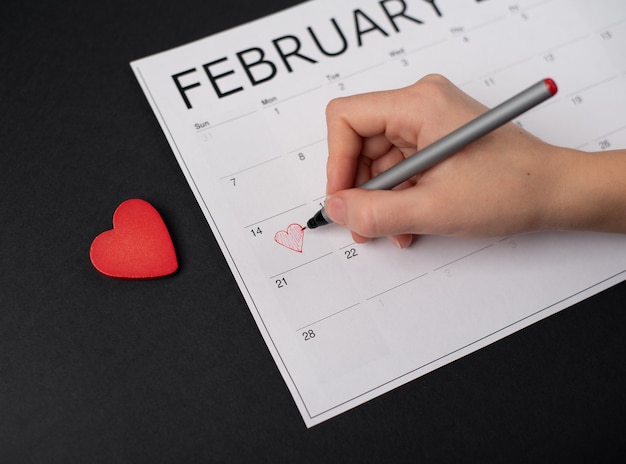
x=506, y=182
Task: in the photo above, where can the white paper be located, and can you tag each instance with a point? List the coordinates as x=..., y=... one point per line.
x=347, y=322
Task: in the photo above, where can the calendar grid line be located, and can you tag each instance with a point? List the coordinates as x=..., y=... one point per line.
x=228, y=121
x=275, y=215
x=250, y=167
x=619, y=129
x=301, y=265
x=328, y=317
x=463, y=257
x=397, y=286
x=593, y=85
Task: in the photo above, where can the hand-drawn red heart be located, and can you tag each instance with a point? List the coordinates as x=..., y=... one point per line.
x=139, y=245
x=291, y=238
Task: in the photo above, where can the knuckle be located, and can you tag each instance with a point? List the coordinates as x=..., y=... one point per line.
x=333, y=107
x=434, y=85
x=435, y=79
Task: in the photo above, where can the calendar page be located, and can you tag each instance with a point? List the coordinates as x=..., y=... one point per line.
x=243, y=111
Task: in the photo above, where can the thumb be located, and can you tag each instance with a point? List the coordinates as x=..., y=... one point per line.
x=372, y=213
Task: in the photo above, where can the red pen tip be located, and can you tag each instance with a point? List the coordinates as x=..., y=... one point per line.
x=551, y=85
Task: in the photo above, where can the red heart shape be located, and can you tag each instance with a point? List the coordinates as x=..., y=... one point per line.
x=139, y=245
x=291, y=238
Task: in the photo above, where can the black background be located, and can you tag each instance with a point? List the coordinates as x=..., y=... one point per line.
x=98, y=370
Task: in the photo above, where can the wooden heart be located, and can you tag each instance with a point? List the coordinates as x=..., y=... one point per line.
x=291, y=238
x=139, y=245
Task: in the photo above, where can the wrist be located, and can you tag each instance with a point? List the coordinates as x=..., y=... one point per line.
x=589, y=192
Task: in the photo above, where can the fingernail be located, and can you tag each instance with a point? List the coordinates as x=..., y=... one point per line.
x=402, y=241
x=335, y=209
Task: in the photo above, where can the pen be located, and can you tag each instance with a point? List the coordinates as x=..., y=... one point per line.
x=453, y=142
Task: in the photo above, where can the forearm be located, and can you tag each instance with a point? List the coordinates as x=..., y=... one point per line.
x=590, y=193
